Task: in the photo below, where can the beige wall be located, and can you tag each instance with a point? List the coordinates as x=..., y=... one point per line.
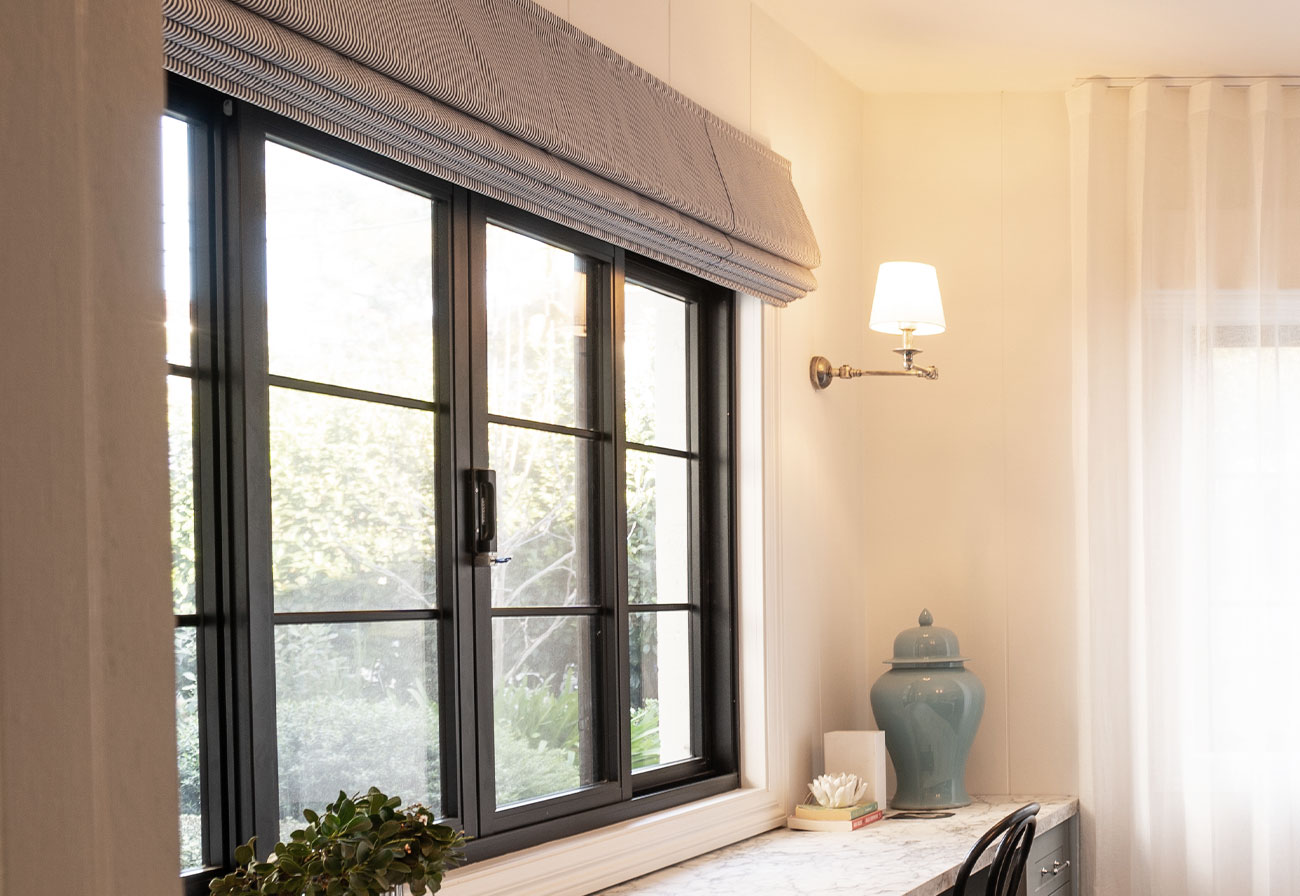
x=969, y=486
x=87, y=743
x=737, y=62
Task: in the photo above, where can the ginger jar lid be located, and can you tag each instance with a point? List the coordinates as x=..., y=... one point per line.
x=926, y=645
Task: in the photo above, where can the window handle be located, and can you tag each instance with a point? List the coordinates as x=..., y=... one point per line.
x=485, y=518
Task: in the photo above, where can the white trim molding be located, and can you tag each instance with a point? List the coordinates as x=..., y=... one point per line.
x=597, y=859
x=592, y=861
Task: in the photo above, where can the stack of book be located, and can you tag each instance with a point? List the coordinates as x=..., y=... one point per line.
x=821, y=818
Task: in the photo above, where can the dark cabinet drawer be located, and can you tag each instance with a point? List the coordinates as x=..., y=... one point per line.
x=1050, y=869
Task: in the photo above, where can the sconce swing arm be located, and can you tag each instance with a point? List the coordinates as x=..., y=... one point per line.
x=821, y=372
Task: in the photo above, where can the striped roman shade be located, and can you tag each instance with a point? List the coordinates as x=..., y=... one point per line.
x=505, y=98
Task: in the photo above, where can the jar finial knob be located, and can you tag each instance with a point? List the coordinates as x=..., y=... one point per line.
x=925, y=618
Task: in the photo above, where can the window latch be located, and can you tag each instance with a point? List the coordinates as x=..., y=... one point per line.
x=484, y=496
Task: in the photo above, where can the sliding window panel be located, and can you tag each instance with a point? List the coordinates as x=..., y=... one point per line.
x=356, y=273
x=349, y=271
x=665, y=591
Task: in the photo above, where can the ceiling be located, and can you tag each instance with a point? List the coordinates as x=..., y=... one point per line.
x=991, y=45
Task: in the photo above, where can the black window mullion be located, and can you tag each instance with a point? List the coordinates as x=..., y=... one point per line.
x=457, y=377
x=662, y=608
x=699, y=691
x=715, y=386
x=541, y=426
x=666, y=452
x=225, y=791
x=474, y=370
x=449, y=450
x=216, y=748
x=617, y=527
x=605, y=296
x=250, y=372
x=591, y=611
x=398, y=401
x=330, y=617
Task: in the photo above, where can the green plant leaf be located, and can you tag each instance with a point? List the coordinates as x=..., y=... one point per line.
x=351, y=852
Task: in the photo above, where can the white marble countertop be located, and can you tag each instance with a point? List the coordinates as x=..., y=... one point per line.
x=893, y=857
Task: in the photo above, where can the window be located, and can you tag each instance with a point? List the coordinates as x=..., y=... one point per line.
x=451, y=500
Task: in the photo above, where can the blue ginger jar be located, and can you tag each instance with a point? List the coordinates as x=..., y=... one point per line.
x=929, y=705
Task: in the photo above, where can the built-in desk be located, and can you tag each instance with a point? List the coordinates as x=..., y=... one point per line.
x=893, y=857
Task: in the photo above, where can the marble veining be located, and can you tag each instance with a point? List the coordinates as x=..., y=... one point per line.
x=893, y=857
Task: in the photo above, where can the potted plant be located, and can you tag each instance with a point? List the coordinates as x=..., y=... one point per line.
x=361, y=846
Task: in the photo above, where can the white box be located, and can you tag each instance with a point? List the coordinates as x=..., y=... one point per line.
x=863, y=754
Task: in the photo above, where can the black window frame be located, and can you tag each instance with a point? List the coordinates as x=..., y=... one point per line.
x=235, y=618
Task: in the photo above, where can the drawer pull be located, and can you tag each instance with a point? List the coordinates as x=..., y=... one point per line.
x=1057, y=867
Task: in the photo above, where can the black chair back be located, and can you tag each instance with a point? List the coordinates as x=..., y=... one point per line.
x=1017, y=833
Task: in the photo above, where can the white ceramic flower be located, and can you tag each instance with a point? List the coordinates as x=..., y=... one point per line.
x=837, y=791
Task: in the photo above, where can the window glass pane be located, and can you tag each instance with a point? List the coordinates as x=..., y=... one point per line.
x=658, y=529
x=176, y=237
x=536, y=329
x=542, y=701
x=187, y=747
x=352, y=501
x=180, y=444
x=349, y=273
x=543, y=517
x=654, y=361
x=660, y=651
x=356, y=707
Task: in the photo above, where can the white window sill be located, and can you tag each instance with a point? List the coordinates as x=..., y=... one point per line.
x=585, y=863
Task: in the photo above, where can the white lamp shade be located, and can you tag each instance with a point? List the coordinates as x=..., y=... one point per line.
x=907, y=297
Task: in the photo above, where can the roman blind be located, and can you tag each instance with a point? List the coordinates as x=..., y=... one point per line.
x=506, y=98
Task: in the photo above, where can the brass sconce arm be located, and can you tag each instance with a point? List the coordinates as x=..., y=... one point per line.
x=821, y=372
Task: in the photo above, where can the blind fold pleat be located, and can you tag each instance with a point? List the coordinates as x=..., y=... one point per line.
x=507, y=99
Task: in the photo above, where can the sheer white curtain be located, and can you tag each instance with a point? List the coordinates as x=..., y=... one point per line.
x=1186, y=205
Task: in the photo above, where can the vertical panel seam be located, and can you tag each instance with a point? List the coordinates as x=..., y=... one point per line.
x=1002, y=326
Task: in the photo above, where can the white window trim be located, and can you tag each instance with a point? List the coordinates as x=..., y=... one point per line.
x=601, y=858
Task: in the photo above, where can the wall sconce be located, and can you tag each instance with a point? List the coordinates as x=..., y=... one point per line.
x=907, y=302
